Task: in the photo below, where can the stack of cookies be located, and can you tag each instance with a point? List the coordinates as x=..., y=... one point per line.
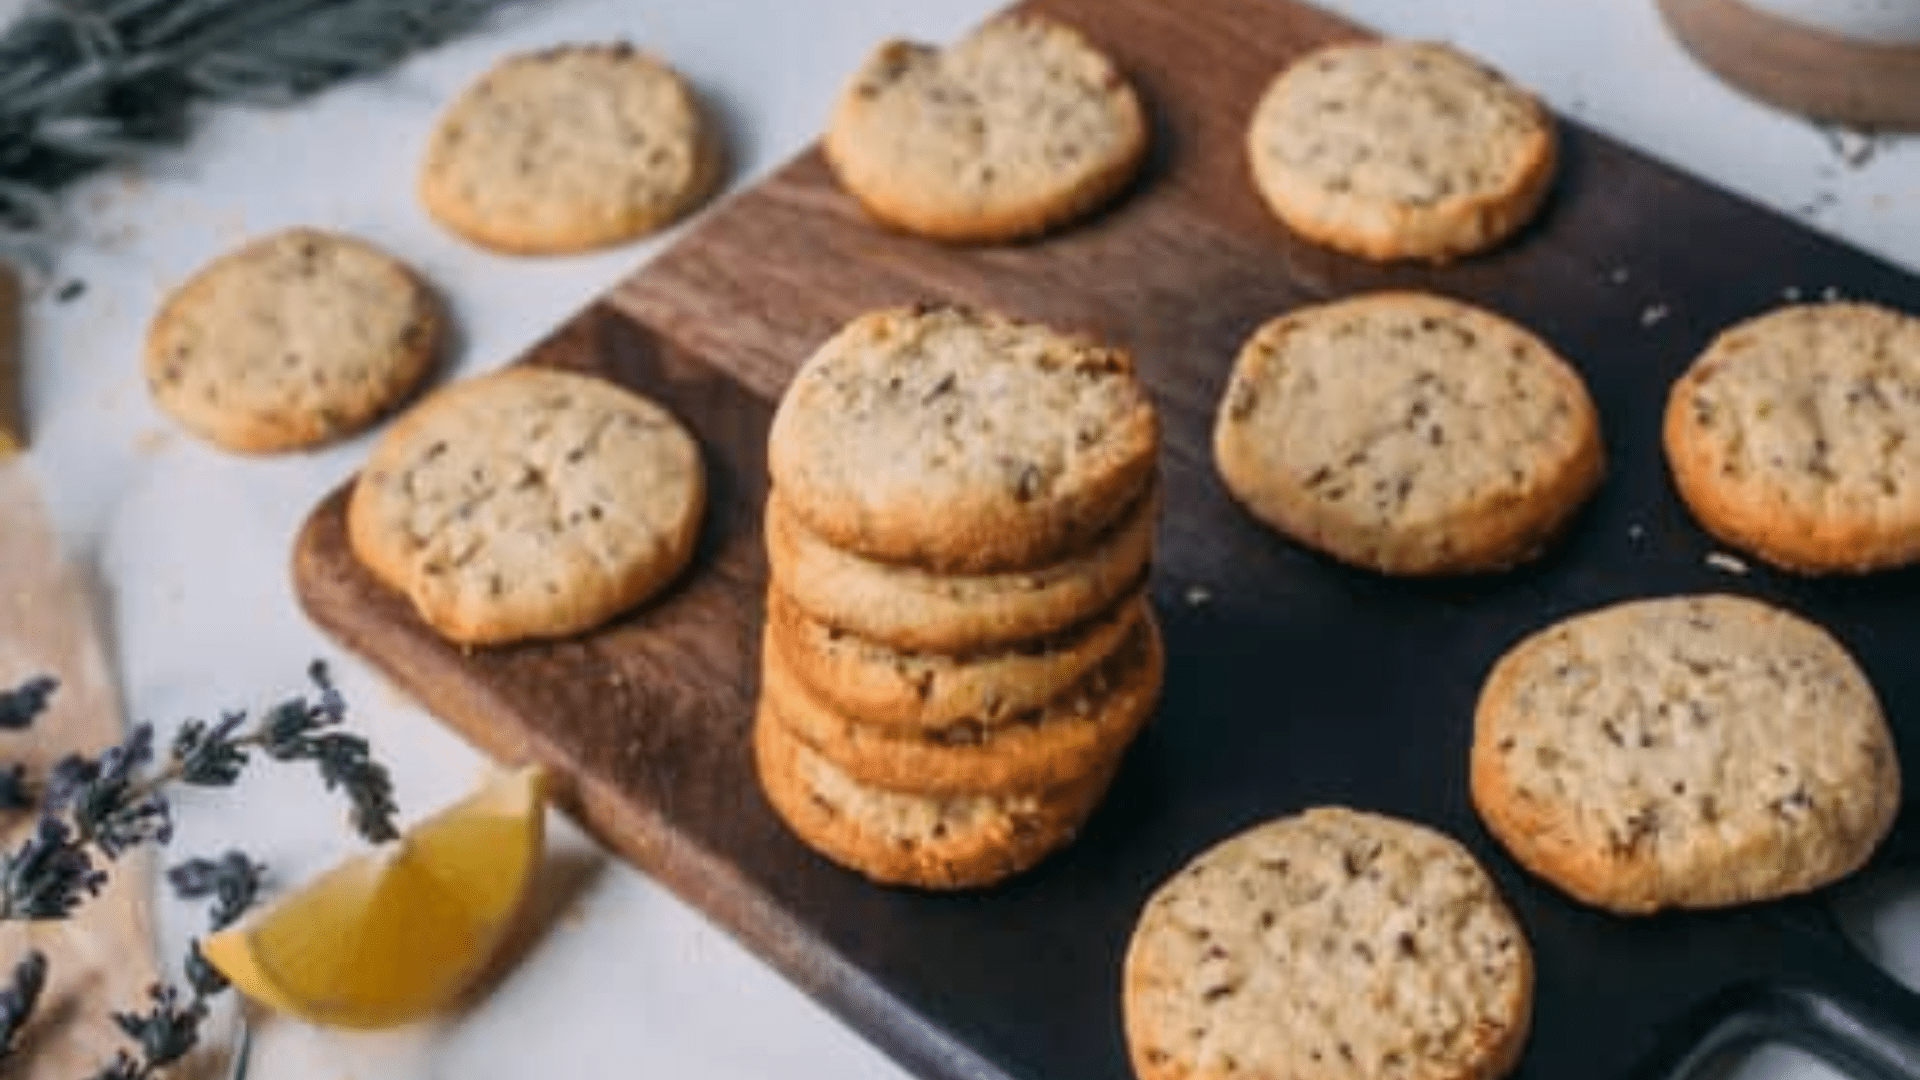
x=958, y=646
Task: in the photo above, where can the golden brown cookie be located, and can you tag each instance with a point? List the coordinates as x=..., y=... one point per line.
x=1328, y=945
x=1082, y=731
x=528, y=503
x=916, y=610
x=569, y=149
x=923, y=691
x=929, y=842
x=1685, y=752
x=1409, y=434
x=1796, y=437
x=960, y=441
x=1400, y=150
x=296, y=339
x=1017, y=128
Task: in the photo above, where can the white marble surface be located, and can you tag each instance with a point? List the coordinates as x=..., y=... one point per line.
x=190, y=546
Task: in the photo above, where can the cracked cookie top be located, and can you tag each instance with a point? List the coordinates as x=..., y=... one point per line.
x=1408, y=433
x=528, y=503
x=569, y=149
x=1328, y=945
x=1400, y=150
x=1796, y=436
x=1015, y=129
x=292, y=341
x=1686, y=752
x=961, y=441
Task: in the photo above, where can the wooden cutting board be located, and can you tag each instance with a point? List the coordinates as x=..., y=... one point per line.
x=1291, y=681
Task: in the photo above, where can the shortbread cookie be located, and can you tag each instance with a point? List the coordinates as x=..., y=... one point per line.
x=1329, y=945
x=914, y=610
x=930, y=842
x=1082, y=731
x=925, y=692
x=528, y=503
x=960, y=441
x=1400, y=150
x=294, y=340
x=1796, y=437
x=1408, y=434
x=569, y=149
x=1017, y=128
x=1688, y=752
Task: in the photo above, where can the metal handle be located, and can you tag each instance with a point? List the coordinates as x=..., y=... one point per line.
x=1838, y=1006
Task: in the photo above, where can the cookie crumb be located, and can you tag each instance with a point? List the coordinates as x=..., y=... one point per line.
x=1199, y=595
x=1722, y=561
x=1654, y=314
x=1830, y=294
x=1791, y=294
x=1815, y=206
x=1854, y=148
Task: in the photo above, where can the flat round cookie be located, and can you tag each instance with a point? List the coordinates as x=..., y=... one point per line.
x=1796, y=437
x=916, y=610
x=1408, y=434
x=1019, y=127
x=925, y=692
x=961, y=441
x=1686, y=752
x=927, y=842
x=569, y=149
x=1400, y=150
x=294, y=340
x=1081, y=732
x=1328, y=945
x=528, y=503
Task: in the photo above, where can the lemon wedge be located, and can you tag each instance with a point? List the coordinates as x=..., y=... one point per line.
x=394, y=935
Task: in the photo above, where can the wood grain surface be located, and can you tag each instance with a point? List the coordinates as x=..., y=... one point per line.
x=1291, y=681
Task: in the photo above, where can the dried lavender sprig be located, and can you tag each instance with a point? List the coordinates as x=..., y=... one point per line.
x=165, y=1032
x=170, y=1027
x=111, y=806
x=15, y=792
x=107, y=804
x=232, y=881
x=20, y=995
x=86, y=83
x=22, y=705
x=297, y=729
x=49, y=875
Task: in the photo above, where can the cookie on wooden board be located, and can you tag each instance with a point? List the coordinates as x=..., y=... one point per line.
x=1400, y=150
x=925, y=692
x=1409, y=434
x=296, y=339
x=569, y=149
x=528, y=503
x=1328, y=945
x=1082, y=731
x=923, y=841
x=1685, y=752
x=1019, y=127
x=961, y=441
x=916, y=610
x=1796, y=437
